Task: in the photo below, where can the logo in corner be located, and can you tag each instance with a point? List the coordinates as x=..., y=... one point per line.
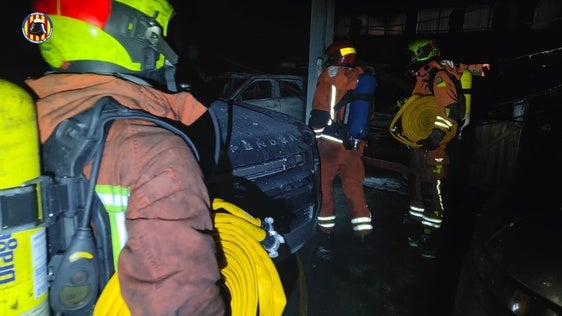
x=37, y=27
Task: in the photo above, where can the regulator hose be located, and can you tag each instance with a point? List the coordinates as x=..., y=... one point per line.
x=415, y=120
x=249, y=273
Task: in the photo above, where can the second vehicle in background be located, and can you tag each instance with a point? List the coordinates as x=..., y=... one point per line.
x=278, y=92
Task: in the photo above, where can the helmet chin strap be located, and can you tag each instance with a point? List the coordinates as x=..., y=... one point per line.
x=157, y=42
x=170, y=76
x=171, y=59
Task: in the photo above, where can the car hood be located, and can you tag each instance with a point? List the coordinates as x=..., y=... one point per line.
x=530, y=251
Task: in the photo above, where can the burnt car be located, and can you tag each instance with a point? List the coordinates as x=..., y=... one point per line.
x=513, y=263
x=269, y=166
x=285, y=93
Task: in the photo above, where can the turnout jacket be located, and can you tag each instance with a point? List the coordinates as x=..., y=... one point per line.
x=333, y=83
x=433, y=79
x=168, y=264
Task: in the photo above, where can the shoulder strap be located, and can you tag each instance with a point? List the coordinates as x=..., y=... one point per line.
x=71, y=204
x=75, y=140
x=347, y=97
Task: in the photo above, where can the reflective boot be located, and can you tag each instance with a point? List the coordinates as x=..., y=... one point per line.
x=428, y=244
x=325, y=249
x=366, y=243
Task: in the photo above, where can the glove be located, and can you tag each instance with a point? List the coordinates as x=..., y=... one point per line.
x=433, y=140
x=401, y=102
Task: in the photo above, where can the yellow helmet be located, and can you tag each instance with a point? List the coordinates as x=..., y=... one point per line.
x=423, y=50
x=108, y=36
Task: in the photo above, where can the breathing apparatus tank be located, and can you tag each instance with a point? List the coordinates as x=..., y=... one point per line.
x=23, y=245
x=466, y=85
x=358, y=112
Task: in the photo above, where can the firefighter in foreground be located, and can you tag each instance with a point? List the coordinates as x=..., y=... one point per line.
x=429, y=159
x=339, y=156
x=168, y=264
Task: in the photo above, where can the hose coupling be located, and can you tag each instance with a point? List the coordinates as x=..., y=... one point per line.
x=273, y=239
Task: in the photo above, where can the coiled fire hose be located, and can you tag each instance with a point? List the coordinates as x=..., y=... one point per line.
x=415, y=121
x=250, y=274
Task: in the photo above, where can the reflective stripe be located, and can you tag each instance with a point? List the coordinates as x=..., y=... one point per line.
x=443, y=123
x=430, y=224
x=333, y=95
x=347, y=50
x=416, y=211
x=362, y=227
x=435, y=222
x=327, y=221
x=361, y=223
x=432, y=219
x=331, y=138
x=359, y=220
x=444, y=120
x=115, y=199
x=439, y=195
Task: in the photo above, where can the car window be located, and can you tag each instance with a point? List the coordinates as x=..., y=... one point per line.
x=259, y=89
x=290, y=89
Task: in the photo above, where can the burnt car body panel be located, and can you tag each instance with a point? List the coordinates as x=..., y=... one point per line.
x=515, y=269
x=269, y=166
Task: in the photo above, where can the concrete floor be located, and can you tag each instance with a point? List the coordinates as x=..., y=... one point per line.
x=393, y=279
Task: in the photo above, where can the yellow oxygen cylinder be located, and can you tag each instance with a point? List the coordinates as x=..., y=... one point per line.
x=466, y=85
x=23, y=245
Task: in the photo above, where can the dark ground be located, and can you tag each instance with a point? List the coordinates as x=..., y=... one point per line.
x=393, y=279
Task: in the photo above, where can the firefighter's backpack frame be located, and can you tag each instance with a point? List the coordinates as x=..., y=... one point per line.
x=80, y=263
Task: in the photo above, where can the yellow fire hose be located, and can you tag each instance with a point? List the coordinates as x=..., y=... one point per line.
x=250, y=275
x=415, y=121
x=110, y=301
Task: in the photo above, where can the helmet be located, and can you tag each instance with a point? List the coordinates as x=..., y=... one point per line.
x=37, y=27
x=341, y=54
x=108, y=36
x=423, y=50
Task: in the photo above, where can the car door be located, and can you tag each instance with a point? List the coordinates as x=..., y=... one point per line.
x=291, y=97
